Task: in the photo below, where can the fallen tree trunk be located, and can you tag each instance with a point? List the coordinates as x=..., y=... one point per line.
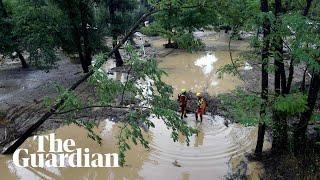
x=11, y=147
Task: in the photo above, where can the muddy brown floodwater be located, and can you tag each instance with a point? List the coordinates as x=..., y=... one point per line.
x=207, y=156
x=197, y=72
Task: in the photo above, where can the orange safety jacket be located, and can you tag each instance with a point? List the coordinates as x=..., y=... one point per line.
x=182, y=99
x=202, y=103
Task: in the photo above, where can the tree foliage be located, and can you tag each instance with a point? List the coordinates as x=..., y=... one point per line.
x=293, y=40
x=148, y=100
x=177, y=20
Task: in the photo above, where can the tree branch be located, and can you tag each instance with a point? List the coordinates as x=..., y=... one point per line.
x=101, y=106
x=15, y=144
x=11, y=147
x=233, y=63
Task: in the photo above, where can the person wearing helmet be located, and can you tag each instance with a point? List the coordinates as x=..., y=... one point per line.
x=182, y=98
x=201, y=106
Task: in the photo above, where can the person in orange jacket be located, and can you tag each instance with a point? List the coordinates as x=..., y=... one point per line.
x=201, y=106
x=182, y=98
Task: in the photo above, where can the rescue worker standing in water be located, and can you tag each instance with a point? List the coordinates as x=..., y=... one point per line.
x=182, y=98
x=201, y=106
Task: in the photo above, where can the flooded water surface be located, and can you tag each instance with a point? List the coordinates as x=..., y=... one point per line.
x=205, y=158
x=197, y=72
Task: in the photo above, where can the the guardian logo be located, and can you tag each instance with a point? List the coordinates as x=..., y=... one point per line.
x=62, y=154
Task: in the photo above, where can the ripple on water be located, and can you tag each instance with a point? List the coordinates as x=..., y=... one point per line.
x=206, y=157
x=213, y=146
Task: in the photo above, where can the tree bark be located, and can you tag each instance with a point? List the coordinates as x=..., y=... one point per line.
x=280, y=136
x=3, y=10
x=303, y=83
x=23, y=60
x=301, y=128
x=264, y=77
x=85, y=34
x=299, y=134
x=77, y=37
x=290, y=77
x=291, y=68
x=112, y=9
x=307, y=8
x=119, y=61
x=260, y=138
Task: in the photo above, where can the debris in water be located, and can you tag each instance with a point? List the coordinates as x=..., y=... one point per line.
x=247, y=66
x=175, y=163
x=226, y=123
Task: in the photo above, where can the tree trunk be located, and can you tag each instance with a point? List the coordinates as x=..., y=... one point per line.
x=5, y=14
x=3, y=10
x=112, y=9
x=119, y=61
x=264, y=77
x=305, y=13
x=87, y=49
x=280, y=136
x=283, y=75
x=303, y=83
x=85, y=34
x=307, y=8
x=23, y=60
x=260, y=138
x=83, y=62
x=299, y=134
x=77, y=37
x=290, y=77
x=301, y=128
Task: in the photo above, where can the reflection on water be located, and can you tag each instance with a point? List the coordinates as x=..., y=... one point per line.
x=199, y=138
x=197, y=72
x=206, y=63
x=108, y=130
x=206, y=157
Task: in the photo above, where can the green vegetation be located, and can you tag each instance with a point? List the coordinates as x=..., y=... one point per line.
x=179, y=19
x=285, y=37
x=120, y=15
x=241, y=106
x=286, y=33
x=149, y=31
x=156, y=102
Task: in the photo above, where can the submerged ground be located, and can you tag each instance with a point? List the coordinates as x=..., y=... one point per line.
x=212, y=154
